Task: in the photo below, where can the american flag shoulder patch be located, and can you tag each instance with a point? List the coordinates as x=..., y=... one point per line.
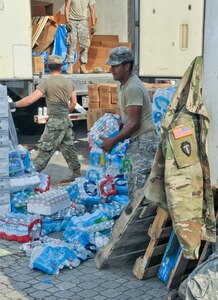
x=182, y=131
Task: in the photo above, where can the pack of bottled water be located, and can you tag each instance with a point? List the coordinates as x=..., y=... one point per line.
x=26, y=182
x=73, y=189
x=49, y=202
x=161, y=100
x=59, y=221
x=89, y=222
x=83, y=244
x=95, y=173
x=50, y=259
x=84, y=191
x=121, y=184
x=97, y=156
x=120, y=148
x=101, y=240
x=107, y=186
x=112, y=209
x=16, y=166
x=45, y=181
x=113, y=164
x=19, y=201
x=24, y=156
x=108, y=126
x=19, y=227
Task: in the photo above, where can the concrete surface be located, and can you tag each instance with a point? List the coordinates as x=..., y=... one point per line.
x=19, y=282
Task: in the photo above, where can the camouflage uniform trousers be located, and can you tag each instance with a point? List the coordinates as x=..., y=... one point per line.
x=141, y=153
x=80, y=29
x=58, y=133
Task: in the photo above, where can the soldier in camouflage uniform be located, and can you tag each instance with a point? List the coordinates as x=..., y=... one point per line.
x=60, y=99
x=76, y=15
x=138, y=125
x=179, y=181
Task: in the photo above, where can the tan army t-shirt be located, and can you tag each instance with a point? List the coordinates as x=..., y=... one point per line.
x=133, y=92
x=57, y=90
x=79, y=9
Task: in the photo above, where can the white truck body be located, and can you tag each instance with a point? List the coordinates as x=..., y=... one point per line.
x=210, y=84
x=16, y=40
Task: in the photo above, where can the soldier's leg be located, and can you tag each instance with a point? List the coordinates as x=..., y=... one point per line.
x=141, y=154
x=68, y=149
x=71, y=45
x=84, y=41
x=49, y=141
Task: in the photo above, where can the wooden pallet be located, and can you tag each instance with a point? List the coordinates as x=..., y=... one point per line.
x=39, y=24
x=147, y=266
x=129, y=237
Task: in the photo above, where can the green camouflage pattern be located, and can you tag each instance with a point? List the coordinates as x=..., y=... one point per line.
x=120, y=55
x=79, y=29
x=55, y=60
x=141, y=154
x=202, y=283
x=180, y=182
x=58, y=135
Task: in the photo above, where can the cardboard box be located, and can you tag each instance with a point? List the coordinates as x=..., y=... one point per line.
x=108, y=38
x=105, y=105
x=94, y=114
x=114, y=94
x=38, y=65
x=97, y=57
x=105, y=95
x=93, y=105
x=93, y=92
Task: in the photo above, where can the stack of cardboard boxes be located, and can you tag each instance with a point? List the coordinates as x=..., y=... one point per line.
x=102, y=99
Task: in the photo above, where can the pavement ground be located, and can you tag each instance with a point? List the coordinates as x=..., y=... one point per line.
x=86, y=282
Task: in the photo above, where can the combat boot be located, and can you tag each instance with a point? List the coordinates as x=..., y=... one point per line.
x=76, y=174
x=69, y=69
x=83, y=69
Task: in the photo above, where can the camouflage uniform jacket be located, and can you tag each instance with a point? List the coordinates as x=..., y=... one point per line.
x=179, y=181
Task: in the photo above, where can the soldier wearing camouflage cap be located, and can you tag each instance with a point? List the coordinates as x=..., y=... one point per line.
x=120, y=55
x=60, y=99
x=55, y=60
x=138, y=125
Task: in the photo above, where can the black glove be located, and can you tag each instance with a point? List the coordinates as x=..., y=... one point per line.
x=12, y=105
x=69, y=27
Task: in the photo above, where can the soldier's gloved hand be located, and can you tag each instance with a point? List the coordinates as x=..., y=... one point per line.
x=68, y=27
x=12, y=105
x=93, y=29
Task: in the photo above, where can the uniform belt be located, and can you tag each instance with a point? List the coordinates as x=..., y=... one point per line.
x=58, y=116
x=142, y=136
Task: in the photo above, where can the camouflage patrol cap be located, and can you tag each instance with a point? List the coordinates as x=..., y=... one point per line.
x=55, y=60
x=119, y=55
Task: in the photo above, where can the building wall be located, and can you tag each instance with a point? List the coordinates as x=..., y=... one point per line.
x=210, y=89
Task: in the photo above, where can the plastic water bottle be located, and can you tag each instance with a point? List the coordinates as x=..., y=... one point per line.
x=44, y=111
x=39, y=111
